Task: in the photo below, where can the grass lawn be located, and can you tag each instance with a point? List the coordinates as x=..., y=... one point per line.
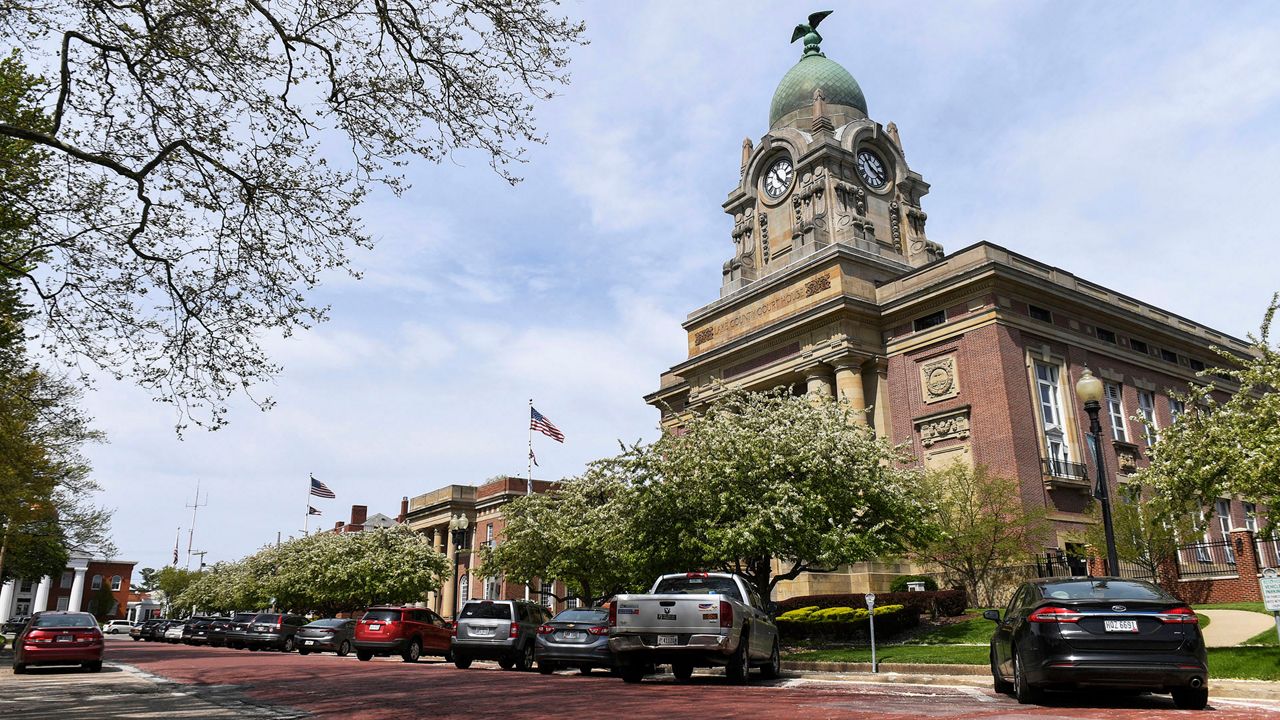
x=1245, y=663
x=1266, y=637
x=967, y=632
x=941, y=654
x=1250, y=606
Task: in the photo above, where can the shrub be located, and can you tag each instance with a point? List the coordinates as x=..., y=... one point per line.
x=839, y=614
x=799, y=613
x=899, y=583
x=852, y=624
x=951, y=603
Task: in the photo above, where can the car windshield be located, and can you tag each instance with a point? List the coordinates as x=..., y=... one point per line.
x=1105, y=590
x=73, y=620
x=583, y=616
x=328, y=622
x=244, y=617
x=266, y=618
x=698, y=586
x=486, y=611
x=382, y=615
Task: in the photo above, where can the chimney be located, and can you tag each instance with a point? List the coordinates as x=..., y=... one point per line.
x=337, y=527
x=359, y=513
x=404, y=509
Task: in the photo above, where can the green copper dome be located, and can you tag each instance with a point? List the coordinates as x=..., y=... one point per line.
x=815, y=71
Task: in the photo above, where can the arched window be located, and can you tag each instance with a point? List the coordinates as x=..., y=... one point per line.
x=97, y=583
x=115, y=583
x=464, y=590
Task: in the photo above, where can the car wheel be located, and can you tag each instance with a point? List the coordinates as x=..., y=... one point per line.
x=462, y=663
x=773, y=669
x=506, y=663
x=303, y=651
x=19, y=668
x=135, y=639
x=288, y=644
x=1191, y=698
x=525, y=660
x=414, y=652
x=545, y=667
x=585, y=669
x=95, y=666
x=682, y=671
x=998, y=683
x=364, y=655
x=344, y=649
x=1023, y=691
x=253, y=648
x=632, y=673
x=739, y=668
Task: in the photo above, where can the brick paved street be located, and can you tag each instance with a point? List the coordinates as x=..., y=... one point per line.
x=210, y=682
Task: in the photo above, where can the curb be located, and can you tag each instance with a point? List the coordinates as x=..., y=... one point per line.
x=895, y=668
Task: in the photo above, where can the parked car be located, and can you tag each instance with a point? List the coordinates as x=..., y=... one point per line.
x=502, y=630
x=173, y=631
x=149, y=630
x=693, y=620
x=1069, y=632
x=575, y=638
x=117, y=626
x=327, y=635
x=273, y=630
x=196, y=631
x=13, y=625
x=59, y=638
x=404, y=631
x=234, y=634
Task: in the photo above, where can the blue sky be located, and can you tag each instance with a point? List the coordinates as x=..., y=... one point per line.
x=1132, y=144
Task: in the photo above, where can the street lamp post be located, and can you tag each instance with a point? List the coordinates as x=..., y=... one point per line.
x=1089, y=389
x=458, y=529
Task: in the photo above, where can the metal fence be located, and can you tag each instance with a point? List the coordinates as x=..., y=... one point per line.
x=1267, y=551
x=1206, y=559
x=1064, y=469
x=1136, y=571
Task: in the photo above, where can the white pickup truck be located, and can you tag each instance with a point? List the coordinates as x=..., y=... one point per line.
x=693, y=620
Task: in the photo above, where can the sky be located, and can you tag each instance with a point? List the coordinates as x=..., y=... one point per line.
x=1133, y=144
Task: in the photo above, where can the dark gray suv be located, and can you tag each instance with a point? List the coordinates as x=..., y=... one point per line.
x=502, y=630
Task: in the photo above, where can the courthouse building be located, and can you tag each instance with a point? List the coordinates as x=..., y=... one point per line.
x=97, y=585
x=833, y=287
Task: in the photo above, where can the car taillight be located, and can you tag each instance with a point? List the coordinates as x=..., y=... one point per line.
x=613, y=614
x=599, y=630
x=544, y=629
x=696, y=575
x=1052, y=614
x=453, y=629
x=38, y=636
x=726, y=614
x=515, y=630
x=1184, y=615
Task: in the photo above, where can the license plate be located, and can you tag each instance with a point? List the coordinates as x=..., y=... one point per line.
x=482, y=631
x=666, y=616
x=201, y=632
x=375, y=627
x=308, y=642
x=65, y=638
x=1130, y=626
x=668, y=640
x=571, y=635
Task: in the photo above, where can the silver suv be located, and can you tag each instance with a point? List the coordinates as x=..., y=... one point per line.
x=502, y=630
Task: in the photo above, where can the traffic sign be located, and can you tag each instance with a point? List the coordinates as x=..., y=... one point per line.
x=1270, y=583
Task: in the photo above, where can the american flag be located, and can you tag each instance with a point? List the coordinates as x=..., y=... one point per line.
x=313, y=511
x=319, y=489
x=544, y=426
x=533, y=459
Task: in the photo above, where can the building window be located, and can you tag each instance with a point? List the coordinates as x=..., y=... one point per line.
x=488, y=535
x=548, y=599
x=1169, y=356
x=928, y=321
x=115, y=582
x=1251, y=516
x=26, y=586
x=1050, y=397
x=464, y=588
x=1039, y=313
x=96, y=584
x=1115, y=411
x=1147, y=405
x=1139, y=346
x=67, y=577
x=1177, y=408
x=1223, y=510
x=1105, y=335
x=491, y=588
x=64, y=603
x=1196, y=364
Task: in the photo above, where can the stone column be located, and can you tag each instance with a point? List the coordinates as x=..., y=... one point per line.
x=849, y=387
x=818, y=382
x=433, y=596
x=880, y=413
x=77, y=590
x=447, y=608
x=6, y=599
x=41, y=601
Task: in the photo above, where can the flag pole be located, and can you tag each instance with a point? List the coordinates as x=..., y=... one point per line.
x=306, y=510
x=528, y=488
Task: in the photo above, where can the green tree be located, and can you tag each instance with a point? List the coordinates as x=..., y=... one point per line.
x=1144, y=536
x=210, y=158
x=766, y=477
x=982, y=526
x=577, y=533
x=1218, y=449
x=171, y=582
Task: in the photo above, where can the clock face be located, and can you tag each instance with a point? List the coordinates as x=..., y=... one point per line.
x=778, y=178
x=871, y=169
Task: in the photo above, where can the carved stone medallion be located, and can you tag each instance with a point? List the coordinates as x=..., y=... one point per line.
x=951, y=424
x=938, y=379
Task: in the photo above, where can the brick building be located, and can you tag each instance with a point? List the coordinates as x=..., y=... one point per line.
x=431, y=513
x=97, y=585
x=834, y=289
x=361, y=520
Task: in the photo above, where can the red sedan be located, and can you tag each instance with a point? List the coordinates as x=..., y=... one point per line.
x=59, y=638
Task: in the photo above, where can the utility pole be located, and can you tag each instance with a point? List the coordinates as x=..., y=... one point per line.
x=191, y=534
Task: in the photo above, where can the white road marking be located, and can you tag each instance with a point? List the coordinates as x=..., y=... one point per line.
x=976, y=694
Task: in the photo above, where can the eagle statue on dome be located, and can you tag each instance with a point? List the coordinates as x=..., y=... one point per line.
x=809, y=31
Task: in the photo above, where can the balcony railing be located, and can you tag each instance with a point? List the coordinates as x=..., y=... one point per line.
x=1063, y=469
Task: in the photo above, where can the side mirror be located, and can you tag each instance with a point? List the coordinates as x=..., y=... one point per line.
x=771, y=608
x=992, y=615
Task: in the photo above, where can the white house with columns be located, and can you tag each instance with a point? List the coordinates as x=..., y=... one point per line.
x=71, y=590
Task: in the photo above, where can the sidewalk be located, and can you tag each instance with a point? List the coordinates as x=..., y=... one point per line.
x=980, y=676
x=1232, y=627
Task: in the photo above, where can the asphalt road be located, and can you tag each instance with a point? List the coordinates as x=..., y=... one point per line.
x=215, y=682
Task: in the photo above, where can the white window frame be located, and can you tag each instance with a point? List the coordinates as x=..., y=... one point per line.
x=64, y=603
x=488, y=535
x=1114, y=394
x=1177, y=408
x=1052, y=417
x=1147, y=406
x=549, y=601
x=1222, y=508
x=116, y=581
x=68, y=577
x=96, y=583
x=464, y=588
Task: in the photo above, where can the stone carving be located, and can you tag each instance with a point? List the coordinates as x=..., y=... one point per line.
x=892, y=131
x=895, y=225
x=746, y=157
x=704, y=335
x=938, y=379
x=743, y=228
x=954, y=424
x=821, y=123
x=1126, y=457
x=817, y=285
x=764, y=237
